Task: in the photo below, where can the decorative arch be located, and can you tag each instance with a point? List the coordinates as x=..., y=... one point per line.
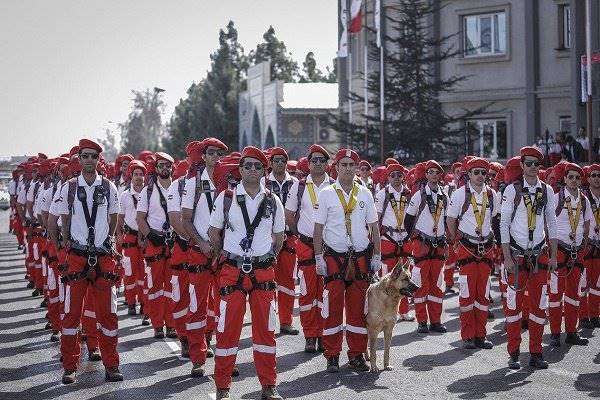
x=270, y=139
x=256, y=131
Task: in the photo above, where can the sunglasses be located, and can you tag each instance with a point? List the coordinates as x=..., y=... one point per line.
x=433, y=172
x=395, y=175
x=219, y=153
x=257, y=166
x=479, y=172
x=532, y=163
x=364, y=169
x=85, y=156
x=318, y=160
x=279, y=160
x=163, y=165
x=573, y=177
x=595, y=176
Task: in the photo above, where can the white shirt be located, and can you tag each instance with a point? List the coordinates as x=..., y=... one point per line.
x=518, y=227
x=174, y=198
x=46, y=197
x=331, y=214
x=22, y=193
x=155, y=214
x=593, y=234
x=79, y=228
x=563, y=226
x=54, y=206
x=306, y=222
x=425, y=222
x=274, y=181
x=128, y=208
x=123, y=186
x=389, y=219
x=12, y=187
x=468, y=223
x=201, y=216
x=234, y=234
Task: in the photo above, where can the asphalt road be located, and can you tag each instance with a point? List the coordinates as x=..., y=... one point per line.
x=426, y=366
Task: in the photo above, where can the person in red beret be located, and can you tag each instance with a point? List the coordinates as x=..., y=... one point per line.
x=90, y=203
x=300, y=207
x=364, y=175
x=391, y=203
x=121, y=166
x=523, y=236
x=389, y=161
x=574, y=213
x=589, y=310
x=250, y=229
x=16, y=223
x=425, y=221
x=472, y=219
x=347, y=250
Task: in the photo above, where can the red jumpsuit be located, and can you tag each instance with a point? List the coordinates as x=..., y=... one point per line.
x=286, y=283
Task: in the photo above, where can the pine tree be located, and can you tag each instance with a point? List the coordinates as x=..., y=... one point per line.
x=282, y=65
x=144, y=129
x=416, y=124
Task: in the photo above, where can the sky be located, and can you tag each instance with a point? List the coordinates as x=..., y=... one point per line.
x=67, y=67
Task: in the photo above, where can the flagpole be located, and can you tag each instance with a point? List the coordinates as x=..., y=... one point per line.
x=588, y=54
x=350, y=116
x=381, y=81
x=365, y=80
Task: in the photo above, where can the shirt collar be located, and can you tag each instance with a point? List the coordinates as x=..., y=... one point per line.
x=82, y=182
x=392, y=190
x=527, y=185
x=310, y=180
x=271, y=177
x=240, y=189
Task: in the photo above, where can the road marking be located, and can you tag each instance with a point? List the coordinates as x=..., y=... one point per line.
x=173, y=345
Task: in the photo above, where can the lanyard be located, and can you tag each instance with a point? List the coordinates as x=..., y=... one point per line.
x=596, y=213
x=531, y=210
x=348, y=206
x=399, y=212
x=573, y=219
x=313, y=196
x=436, y=212
x=479, y=213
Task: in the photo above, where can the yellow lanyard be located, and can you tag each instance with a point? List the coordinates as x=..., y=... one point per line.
x=532, y=211
x=479, y=214
x=348, y=206
x=438, y=212
x=399, y=213
x=311, y=193
x=573, y=219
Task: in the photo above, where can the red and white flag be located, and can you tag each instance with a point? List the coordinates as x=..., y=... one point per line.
x=343, y=47
x=356, y=15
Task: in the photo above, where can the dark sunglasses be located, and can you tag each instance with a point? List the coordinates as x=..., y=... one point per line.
x=364, y=169
x=479, y=172
x=573, y=177
x=395, y=174
x=163, y=165
x=257, y=166
x=279, y=160
x=595, y=176
x=433, y=172
x=85, y=156
x=532, y=163
x=318, y=160
x=219, y=153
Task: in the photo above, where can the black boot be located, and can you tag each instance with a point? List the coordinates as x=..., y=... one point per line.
x=537, y=361
x=437, y=328
x=222, y=394
x=333, y=364
x=482, y=343
x=269, y=392
x=288, y=330
x=185, y=348
x=575, y=339
x=68, y=376
x=468, y=344
x=197, y=370
x=320, y=347
x=209, y=352
x=585, y=323
x=159, y=333
x=171, y=333
x=131, y=310
x=94, y=355
x=422, y=328
x=311, y=345
x=358, y=363
x=113, y=375
x=513, y=361
x=596, y=322
x=555, y=340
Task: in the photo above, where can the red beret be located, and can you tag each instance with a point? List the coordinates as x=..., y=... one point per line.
x=181, y=169
x=61, y=160
x=253, y=152
x=278, y=151
x=143, y=155
x=195, y=146
x=124, y=157
x=496, y=166
x=347, y=153
x=215, y=143
x=89, y=144
x=315, y=148
x=365, y=163
x=529, y=151
x=135, y=164
x=74, y=165
x=303, y=166
x=390, y=160
x=477, y=163
x=396, y=168
x=164, y=156
x=593, y=167
x=433, y=164
x=456, y=165
x=42, y=156
x=74, y=150
x=573, y=167
x=292, y=165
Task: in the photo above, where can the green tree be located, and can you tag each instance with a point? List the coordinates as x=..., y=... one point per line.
x=110, y=145
x=416, y=126
x=310, y=72
x=144, y=129
x=283, y=65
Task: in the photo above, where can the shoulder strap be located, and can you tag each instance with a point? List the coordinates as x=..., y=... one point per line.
x=466, y=203
x=490, y=195
x=181, y=186
x=227, y=200
x=71, y=193
x=561, y=201
x=518, y=186
x=163, y=203
x=386, y=201
x=423, y=203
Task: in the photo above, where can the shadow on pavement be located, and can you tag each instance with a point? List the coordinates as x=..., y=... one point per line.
x=498, y=381
x=427, y=362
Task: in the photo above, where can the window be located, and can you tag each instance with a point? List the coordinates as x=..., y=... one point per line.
x=564, y=24
x=484, y=34
x=564, y=123
x=487, y=138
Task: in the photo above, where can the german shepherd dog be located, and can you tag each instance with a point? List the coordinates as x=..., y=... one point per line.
x=383, y=298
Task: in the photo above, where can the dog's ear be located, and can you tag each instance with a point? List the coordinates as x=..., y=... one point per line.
x=397, y=271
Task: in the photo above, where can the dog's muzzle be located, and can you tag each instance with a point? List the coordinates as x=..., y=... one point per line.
x=409, y=290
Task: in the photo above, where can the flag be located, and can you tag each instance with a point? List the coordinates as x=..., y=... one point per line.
x=343, y=48
x=355, y=16
x=378, y=21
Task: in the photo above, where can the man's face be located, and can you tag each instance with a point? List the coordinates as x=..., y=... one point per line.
x=573, y=180
x=317, y=163
x=346, y=168
x=163, y=169
x=594, y=179
x=137, y=178
x=433, y=175
x=89, y=160
x=251, y=170
x=62, y=171
x=278, y=163
x=211, y=155
x=477, y=176
x=530, y=165
x=491, y=176
x=124, y=166
x=457, y=173
x=364, y=172
x=395, y=178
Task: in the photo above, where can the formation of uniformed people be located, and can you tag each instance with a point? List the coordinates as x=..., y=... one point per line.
x=192, y=242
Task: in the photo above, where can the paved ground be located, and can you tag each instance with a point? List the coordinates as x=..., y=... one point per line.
x=431, y=366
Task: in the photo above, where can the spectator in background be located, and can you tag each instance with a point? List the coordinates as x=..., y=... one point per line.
x=573, y=151
x=582, y=139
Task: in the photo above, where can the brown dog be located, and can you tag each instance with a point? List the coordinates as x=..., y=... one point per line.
x=383, y=299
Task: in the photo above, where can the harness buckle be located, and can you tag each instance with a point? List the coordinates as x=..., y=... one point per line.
x=246, y=265
x=480, y=248
x=92, y=260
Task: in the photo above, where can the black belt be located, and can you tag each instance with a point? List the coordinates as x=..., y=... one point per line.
x=179, y=267
x=83, y=253
x=128, y=230
x=184, y=244
x=477, y=255
x=195, y=269
x=239, y=285
x=154, y=258
x=570, y=262
x=307, y=240
x=286, y=247
x=255, y=261
x=342, y=259
x=128, y=245
x=433, y=242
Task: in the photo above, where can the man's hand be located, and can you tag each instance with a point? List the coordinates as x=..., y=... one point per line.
x=206, y=248
x=552, y=264
x=509, y=264
x=376, y=262
x=321, y=265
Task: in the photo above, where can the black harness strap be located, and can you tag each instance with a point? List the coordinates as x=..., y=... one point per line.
x=163, y=204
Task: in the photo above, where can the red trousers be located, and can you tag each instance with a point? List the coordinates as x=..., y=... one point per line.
x=132, y=264
x=564, y=289
x=231, y=319
x=474, y=290
x=89, y=322
x=158, y=282
x=180, y=293
x=105, y=301
x=200, y=285
x=389, y=259
x=53, y=283
x=17, y=226
x=427, y=274
x=449, y=267
x=534, y=304
x=311, y=291
x=339, y=300
x=590, y=302
x=285, y=276
x=37, y=247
